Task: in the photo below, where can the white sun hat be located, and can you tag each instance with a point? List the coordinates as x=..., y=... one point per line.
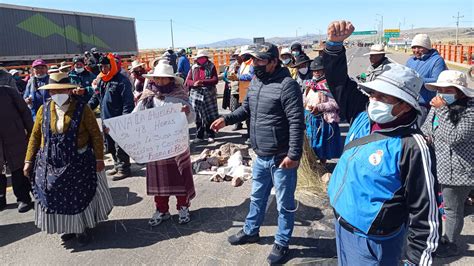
x=202, y=53
x=451, y=78
x=165, y=71
x=377, y=49
x=285, y=51
x=136, y=64
x=398, y=81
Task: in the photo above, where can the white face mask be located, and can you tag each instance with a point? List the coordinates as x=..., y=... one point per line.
x=60, y=99
x=286, y=61
x=41, y=76
x=381, y=112
x=303, y=70
x=79, y=70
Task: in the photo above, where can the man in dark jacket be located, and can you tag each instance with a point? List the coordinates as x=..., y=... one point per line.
x=115, y=98
x=384, y=187
x=16, y=127
x=274, y=105
x=172, y=58
x=82, y=77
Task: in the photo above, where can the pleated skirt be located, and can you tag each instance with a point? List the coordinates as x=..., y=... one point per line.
x=97, y=211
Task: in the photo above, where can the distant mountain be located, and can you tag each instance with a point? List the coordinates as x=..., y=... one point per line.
x=437, y=34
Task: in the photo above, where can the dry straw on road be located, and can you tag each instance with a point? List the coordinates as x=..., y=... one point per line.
x=310, y=172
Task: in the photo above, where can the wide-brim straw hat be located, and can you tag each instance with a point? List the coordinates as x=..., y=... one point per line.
x=58, y=81
x=377, y=49
x=451, y=78
x=136, y=64
x=163, y=70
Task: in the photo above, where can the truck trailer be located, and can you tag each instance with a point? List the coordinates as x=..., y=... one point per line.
x=29, y=33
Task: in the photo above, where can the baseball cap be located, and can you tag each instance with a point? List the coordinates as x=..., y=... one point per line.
x=265, y=51
x=38, y=62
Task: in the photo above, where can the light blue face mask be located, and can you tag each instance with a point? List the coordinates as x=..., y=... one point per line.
x=295, y=53
x=448, y=97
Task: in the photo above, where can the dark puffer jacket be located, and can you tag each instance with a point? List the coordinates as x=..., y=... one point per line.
x=276, y=113
x=115, y=97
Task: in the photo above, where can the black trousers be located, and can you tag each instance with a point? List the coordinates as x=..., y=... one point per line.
x=21, y=186
x=121, y=158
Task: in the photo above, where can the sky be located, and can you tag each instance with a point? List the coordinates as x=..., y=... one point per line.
x=207, y=21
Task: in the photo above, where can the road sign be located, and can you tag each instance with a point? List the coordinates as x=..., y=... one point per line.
x=391, y=34
x=367, y=32
x=391, y=30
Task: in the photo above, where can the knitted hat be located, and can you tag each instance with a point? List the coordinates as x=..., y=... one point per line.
x=422, y=40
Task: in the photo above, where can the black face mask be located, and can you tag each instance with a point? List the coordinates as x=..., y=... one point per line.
x=246, y=57
x=261, y=72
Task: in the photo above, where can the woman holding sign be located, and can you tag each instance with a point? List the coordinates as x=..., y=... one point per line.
x=69, y=183
x=172, y=176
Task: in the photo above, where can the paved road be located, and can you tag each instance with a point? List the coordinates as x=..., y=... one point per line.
x=218, y=211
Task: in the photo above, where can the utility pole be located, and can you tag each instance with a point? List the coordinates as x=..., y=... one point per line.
x=381, y=28
x=172, y=37
x=457, y=27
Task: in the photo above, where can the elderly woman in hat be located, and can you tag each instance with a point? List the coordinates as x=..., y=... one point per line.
x=450, y=126
x=304, y=75
x=321, y=115
x=67, y=152
x=201, y=82
x=173, y=176
x=138, y=81
x=83, y=78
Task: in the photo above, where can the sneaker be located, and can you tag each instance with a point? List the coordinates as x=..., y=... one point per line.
x=248, y=142
x=211, y=140
x=446, y=250
x=24, y=206
x=278, y=255
x=197, y=140
x=111, y=171
x=67, y=237
x=184, y=216
x=120, y=175
x=84, y=238
x=241, y=238
x=158, y=217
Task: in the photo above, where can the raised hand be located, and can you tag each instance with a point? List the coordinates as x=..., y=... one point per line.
x=340, y=30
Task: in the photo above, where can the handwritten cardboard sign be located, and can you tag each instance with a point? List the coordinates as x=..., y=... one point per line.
x=152, y=134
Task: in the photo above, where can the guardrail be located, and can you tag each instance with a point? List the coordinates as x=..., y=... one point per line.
x=463, y=54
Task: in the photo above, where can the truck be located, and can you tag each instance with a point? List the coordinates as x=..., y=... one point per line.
x=29, y=33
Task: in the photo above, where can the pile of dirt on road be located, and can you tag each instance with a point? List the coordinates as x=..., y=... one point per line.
x=312, y=176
